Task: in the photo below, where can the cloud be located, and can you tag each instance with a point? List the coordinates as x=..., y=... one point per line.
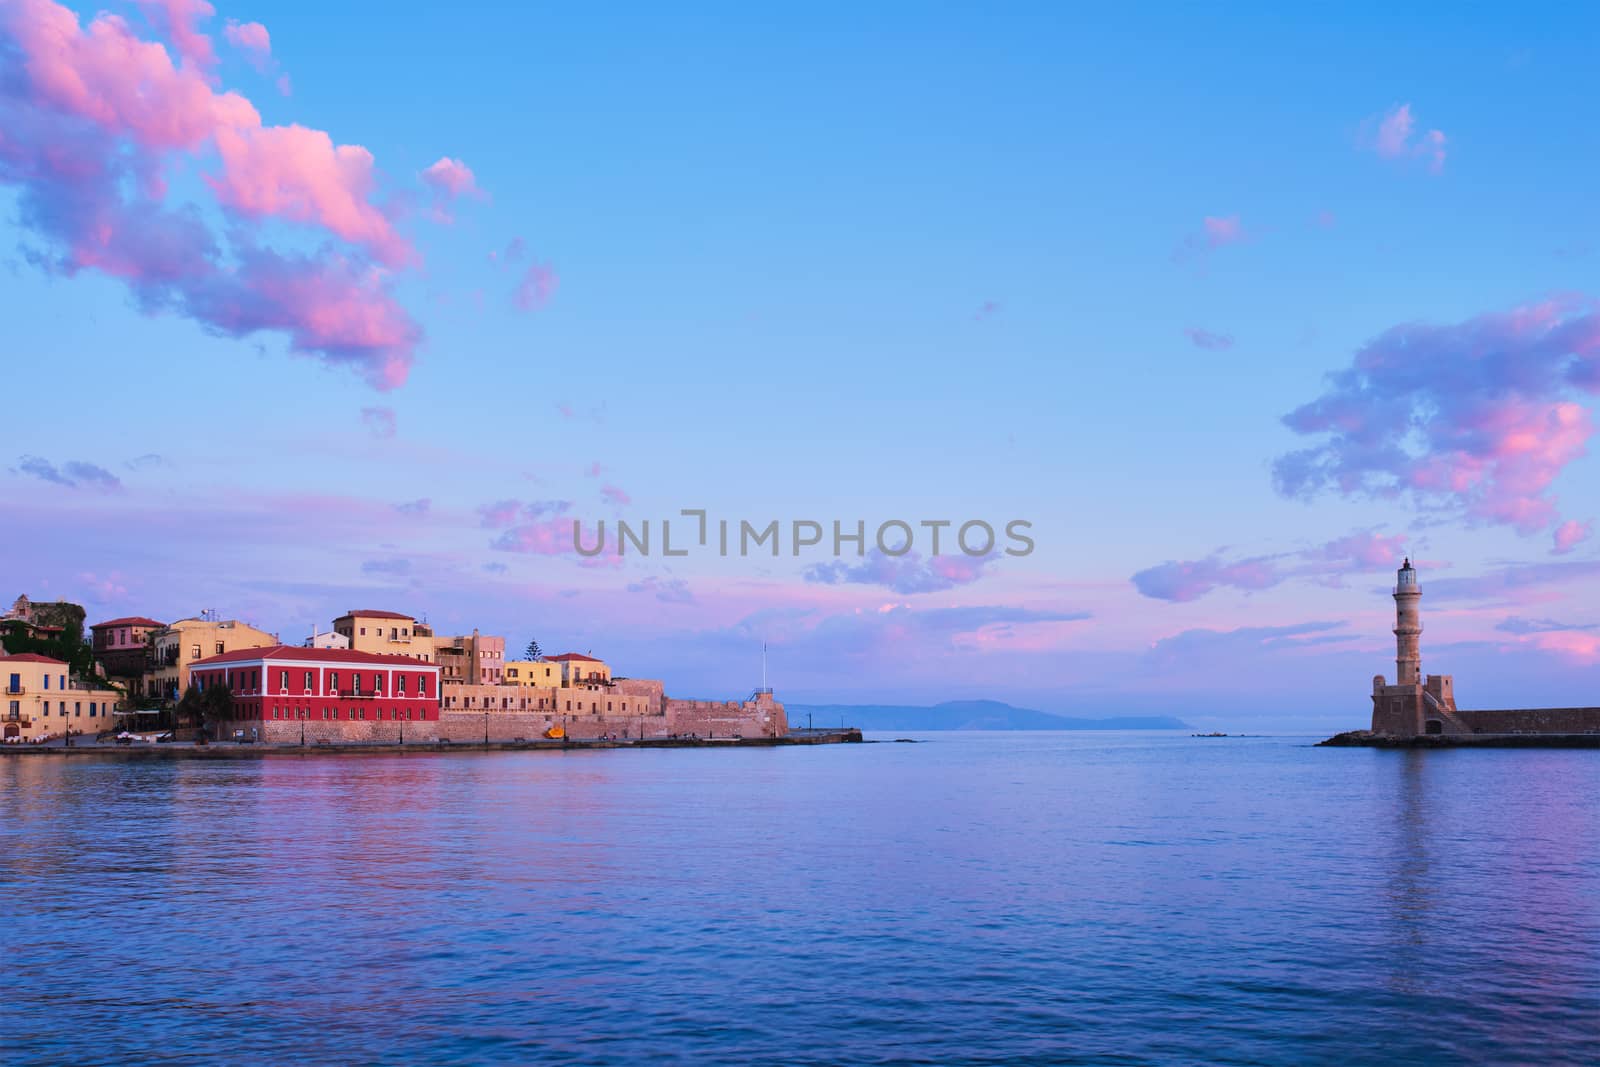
x=908, y=574
x=495, y=568
x=986, y=310
x=1516, y=624
x=94, y=120
x=612, y=495
x=449, y=179
x=392, y=567
x=1186, y=580
x=1570, y=534
x=666, y=590
x=1476, y=418
x=178, y=20
x=1204, y=647
x=515, y=249
x=1206, y=339
x=148, y=461
x=420, y=506
x=533, y=292
x=545, y=537
x=1394, y=140
x=252, y=39
x=498, y=515
x=379, y=421
x=1514, y=583
x=537, y=509
x=1216, y=231
x=1181, y=581
x=75, y=474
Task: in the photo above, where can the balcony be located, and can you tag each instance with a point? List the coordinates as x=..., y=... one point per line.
x=359, y=694
x=16, y=690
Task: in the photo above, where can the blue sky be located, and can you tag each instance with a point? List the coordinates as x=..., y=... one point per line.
x=910, y=262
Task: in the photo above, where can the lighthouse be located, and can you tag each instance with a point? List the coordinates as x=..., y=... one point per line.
x=1407, y=627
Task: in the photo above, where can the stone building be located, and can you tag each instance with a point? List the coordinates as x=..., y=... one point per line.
x=1419, y=705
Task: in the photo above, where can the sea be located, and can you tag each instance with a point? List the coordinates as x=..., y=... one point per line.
x=962, y=898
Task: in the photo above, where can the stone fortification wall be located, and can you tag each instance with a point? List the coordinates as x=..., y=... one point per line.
x=1534, y=721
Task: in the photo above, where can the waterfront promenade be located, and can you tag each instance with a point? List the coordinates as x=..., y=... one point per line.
x=252, y=750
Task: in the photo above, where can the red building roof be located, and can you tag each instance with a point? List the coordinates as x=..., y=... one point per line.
x=31, y=657
x=375, y=615
x=310, y=655
x=131, y=620
x=569, y=656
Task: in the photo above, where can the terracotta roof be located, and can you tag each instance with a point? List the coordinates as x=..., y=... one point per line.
x=131, y=620
x=568, y=656
x=305, y=655
x=375, y=615
x=31, y=657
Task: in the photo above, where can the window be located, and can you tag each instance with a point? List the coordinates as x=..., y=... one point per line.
x=394, y=632
x=77, y=709
x=333, y=681
x=363, y=631
x=194, y=651
x=400, y=685
x=422, y=685
x=377, y=684
x=308, y=681
x=283, y=679
x=92, y=709
x=405, y=631
x=219, y=648
x=47, y=681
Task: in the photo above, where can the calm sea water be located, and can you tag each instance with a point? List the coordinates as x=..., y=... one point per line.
x=979, y=898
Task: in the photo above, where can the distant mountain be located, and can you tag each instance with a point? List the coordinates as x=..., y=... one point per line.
x=966, y=715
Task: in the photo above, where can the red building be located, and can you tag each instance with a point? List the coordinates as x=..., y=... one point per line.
x=322, y=685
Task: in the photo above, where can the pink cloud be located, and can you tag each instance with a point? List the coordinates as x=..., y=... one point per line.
x=1571, y=534
x=548, y=537
x=612, y=495
x=94, y=117
x=500, y=514
x=1185, y=580
x=179, y=20
x=1478, y=417
x=299, y=174
x=1216, y=231
x=1573, y=645
x=379, y=421
x=1394, y=140
x=534, y=291
x=909, y=574
x=986, y=310
x=1206, y=339
x=251, y=38
x=593, y=470
x=449, y=179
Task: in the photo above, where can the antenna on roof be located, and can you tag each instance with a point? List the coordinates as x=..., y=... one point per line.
x=763, y=665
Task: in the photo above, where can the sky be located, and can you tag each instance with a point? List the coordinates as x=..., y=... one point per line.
x=311, y=310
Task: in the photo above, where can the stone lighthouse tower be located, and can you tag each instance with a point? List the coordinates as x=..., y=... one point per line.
x=1407, y=627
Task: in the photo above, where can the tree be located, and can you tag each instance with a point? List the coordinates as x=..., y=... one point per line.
x=532, y=652
x=216, y=704
x=191, y=707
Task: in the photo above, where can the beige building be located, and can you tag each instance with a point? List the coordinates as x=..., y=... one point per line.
x=533, y=672
x=174, y=648
x=41, y=701
x=470, y=659
x=578, y=669
x=386, y=633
